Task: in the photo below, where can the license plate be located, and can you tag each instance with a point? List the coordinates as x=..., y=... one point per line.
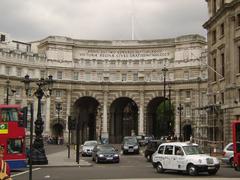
x=130, y=150
x=109, y=158
x=211, y=167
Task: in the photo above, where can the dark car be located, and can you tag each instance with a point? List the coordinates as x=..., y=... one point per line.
x=130, y=145
x=151, y=148
x=105, y=153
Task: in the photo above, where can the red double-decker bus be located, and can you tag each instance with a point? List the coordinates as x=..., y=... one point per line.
x=236, y=143
x=12, y=135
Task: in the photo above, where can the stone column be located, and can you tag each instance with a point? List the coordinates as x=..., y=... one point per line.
x=177, y=117
x=47, y=125
x=141, y=114
x=104, y=126
x=68, y=110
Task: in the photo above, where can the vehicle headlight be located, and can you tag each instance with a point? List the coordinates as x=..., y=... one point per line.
x=101, y=155
x=135, y=147
x=115, y=155
x=125, y=147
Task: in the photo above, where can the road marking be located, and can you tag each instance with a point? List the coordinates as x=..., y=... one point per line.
x=24, y=172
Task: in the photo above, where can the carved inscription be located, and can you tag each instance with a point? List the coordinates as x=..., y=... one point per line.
x=125, y=53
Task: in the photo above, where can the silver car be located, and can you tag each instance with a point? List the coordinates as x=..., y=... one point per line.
x=228, y=154
x=87, y=148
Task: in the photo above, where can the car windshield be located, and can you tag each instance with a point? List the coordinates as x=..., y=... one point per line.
x=107, y=149
x=191, y=150
x=90, y=143
x=131, y=140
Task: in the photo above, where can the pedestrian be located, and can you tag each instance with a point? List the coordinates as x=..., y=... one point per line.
x=4, y=167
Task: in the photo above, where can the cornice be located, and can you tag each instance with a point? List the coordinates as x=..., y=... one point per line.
x=220, y=12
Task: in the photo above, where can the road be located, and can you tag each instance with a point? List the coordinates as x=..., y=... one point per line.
x=130, y=166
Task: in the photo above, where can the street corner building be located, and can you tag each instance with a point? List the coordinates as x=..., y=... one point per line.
x=112, y=88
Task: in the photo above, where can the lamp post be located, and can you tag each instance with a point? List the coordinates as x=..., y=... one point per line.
x=164, y=70
x=38, y=152
x=8, y=89
x=180, y=108
x=170, y=109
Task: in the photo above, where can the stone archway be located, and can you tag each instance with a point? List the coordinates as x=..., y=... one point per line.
x=85, y=111
x=123, y=119
x=57, y=130
x=158, y=124
x=187, y=132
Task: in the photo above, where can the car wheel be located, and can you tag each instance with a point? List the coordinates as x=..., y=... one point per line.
x=159, y=168
x=231, y=161
x=149, y=158
x=213, y=172
x=192, y=170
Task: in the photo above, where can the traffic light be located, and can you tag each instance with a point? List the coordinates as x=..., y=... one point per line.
x=71, y=123
x=23, y=117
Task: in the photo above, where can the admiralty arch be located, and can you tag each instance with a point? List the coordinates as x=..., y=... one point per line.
x=113, y=88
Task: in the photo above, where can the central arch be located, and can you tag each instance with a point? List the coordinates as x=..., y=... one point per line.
x=85, y=111
x=123, y=119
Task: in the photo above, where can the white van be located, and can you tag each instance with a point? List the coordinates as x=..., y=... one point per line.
x=182, y=156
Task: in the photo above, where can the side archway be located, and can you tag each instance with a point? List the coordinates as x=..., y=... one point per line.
x=85, y=111
x=123, y=119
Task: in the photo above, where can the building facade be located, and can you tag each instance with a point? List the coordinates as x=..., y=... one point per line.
x=223, y=27
x=113, y=88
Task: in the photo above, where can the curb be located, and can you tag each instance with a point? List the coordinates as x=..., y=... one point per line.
x=60, y=166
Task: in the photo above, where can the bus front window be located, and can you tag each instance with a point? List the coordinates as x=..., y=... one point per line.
x=9, y=115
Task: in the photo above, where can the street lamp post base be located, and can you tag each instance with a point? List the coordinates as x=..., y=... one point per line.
x=39, y=157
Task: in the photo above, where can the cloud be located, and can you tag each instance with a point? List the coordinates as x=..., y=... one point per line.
x=102, y=19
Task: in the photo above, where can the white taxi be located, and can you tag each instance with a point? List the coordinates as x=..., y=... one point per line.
x=182, y=156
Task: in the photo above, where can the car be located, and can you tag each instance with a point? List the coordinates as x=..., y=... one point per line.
x=228, y=155
x=130, y=145
x=105, y=153
x=151, y=148
x=87, y=147
x=184, y=156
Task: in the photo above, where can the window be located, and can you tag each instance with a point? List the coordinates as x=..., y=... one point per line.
x=178, y=151
x=222, y=29
x=58, y=93
x=186, y=75
x=135, y=77
x=214, y=99
x=169, y=150
x=238, y=20
x=222, y=97
x=75, y=76
x=214, y=37
x=9, y=115
x=7, y=70
x=215, y=68
x=223, y=64
x=42, y=74
x=15, y=146
x=124, y=77
x=161, y=149
x=188, y=94
x=230, y=148
x=187, y=110
x=19, y=72
x=3, y=37
x=59, y=75
x=214, y=6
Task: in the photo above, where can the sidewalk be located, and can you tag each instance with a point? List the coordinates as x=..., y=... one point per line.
x=60, y=159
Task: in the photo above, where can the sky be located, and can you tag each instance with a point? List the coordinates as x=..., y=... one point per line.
x=30, y=20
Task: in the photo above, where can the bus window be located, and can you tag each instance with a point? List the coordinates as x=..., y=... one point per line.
x=9, y=115
x=238, y=137
x=14, y=146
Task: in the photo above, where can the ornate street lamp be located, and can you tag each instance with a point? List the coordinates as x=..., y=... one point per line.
x=180, y=108
x=38, y=152
x=9, y=89
x=169, y=108
x=164, y=70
